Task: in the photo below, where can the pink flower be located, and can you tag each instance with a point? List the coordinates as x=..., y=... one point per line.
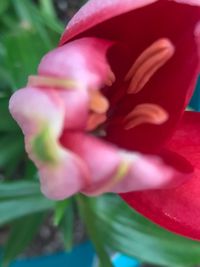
x=103, y=113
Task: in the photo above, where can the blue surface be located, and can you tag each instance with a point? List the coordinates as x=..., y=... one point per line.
x=124, y=261
x=81, y=256
x=195, y=101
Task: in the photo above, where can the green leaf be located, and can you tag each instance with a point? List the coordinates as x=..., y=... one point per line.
x=7, y=123
x=4, y=4
x=19, y=189
x=11, y=147
x=126, y=231
x=87, y=215
x=29, y=49
x=60, y=209
x=13, y=209
x=22, y=233
x=27, y=13
x=66, y=224
x=47, y=7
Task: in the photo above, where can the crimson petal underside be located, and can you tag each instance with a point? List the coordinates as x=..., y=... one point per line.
x=176, y=209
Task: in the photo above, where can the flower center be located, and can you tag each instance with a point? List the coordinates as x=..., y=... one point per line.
x=145, y=66
x=142, y=70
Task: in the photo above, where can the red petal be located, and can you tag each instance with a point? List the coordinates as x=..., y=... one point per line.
x=177, y=209
x=96, y=12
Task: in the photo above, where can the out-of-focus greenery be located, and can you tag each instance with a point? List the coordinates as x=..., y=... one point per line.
x=28, y=31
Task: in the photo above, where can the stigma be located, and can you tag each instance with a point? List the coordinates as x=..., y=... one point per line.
x=148, y=63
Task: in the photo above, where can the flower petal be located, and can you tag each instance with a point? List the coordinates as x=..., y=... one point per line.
x=177, y=209
x=40, y=114
x=83, y=61
x=32, y=108
x=96, y=12
x=114, y=170
x=64, y=179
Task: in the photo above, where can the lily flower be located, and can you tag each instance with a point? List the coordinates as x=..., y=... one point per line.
x=106, y=112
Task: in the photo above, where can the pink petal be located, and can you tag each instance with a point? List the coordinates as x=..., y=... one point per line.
x=76, y=104
x=32, y=108
x=105, y=160
x=149, y=172
x=40, y=114
x=65, y=179
x=83, y=61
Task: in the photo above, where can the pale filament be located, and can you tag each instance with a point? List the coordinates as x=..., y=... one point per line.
x=148, y=63
x=146, y=113
x=110, y=78
x=46, y=81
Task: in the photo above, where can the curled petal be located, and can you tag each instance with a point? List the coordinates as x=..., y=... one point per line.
x=113, y=170
x=149, y=172
x=33, y=109
x=40, y=114
x=101, y=158
x=64, y=179
x=76, y=104
x=83, y=60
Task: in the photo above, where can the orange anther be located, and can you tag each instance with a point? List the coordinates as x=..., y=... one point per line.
x=148, y=63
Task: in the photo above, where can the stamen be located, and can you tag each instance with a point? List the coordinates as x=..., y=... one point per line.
x=98, y=103
x=110, y=79
x=45, y=81
x=146, y=113
x=95, y=120
x=148, y=63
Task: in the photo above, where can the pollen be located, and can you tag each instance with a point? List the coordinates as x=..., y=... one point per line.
x=148, y=63
x=146, y=113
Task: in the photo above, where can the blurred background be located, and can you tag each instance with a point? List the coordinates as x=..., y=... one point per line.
x=32, y=226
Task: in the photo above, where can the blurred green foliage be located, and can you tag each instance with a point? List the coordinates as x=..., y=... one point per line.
x=28, y=31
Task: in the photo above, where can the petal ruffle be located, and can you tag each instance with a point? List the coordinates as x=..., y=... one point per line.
x=177, y=209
